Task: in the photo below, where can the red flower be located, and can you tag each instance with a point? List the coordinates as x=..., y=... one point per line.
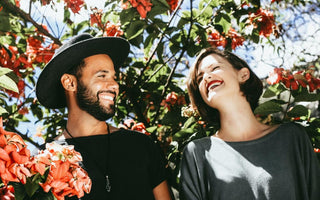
x=173, y=4
x=172, y=98
x=264, y=20
x=303, y=78
x=66, y=177
x=7, y=192
x=236, y=38
x=74, y=5
x=13, y=154
x=140, y=127
x=142, y=6
x=215, y=38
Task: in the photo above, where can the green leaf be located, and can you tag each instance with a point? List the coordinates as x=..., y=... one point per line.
x=274, y=90
x=190, y=121
x=152, y=129
x=8, y=83
x=4, y=22
x=304, y=95
x=298, y=111
x=183, y=133
x=224, y=21
x=127, y=15
x=4, y=70
x=2, y=111
x=158, y=7
x=32, y=184
x=19, y=191
x=268, y=107
x=135, y=28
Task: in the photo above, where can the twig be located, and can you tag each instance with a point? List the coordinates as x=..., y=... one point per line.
x=16, y=10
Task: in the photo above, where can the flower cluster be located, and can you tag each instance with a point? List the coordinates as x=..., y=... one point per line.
x=6, y=192
x=74, y=5
x=132, y=125
x=108, y=28
x=142, y=6
x=173, y=99
x=216, y=39
x=66, y=177
x=58, y=166
x=13, y=155
x=264, y=20
x=173, y=4
x=35, y=53
x=293, y=80
x=189, y=111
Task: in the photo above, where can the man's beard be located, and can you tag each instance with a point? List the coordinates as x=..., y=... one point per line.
x=91, y=105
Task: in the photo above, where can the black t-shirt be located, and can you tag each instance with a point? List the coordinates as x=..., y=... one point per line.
x=135, y=165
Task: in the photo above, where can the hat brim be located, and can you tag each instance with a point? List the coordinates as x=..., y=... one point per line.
x=49, y=90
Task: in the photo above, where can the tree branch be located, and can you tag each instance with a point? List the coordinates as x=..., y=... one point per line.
x=11, y=8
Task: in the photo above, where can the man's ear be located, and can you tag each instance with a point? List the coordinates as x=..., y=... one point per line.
x=243, y=75
x=69, y=82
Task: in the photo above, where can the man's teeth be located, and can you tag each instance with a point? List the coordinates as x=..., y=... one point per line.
x=107, y=97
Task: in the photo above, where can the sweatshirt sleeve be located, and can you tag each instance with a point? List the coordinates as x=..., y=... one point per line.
x=190, y=174
x=311, y=165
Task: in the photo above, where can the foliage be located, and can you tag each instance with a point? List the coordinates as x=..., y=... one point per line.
x=165, y=36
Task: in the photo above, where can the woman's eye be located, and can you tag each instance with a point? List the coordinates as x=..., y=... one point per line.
x=216, y=67
x=199, y=79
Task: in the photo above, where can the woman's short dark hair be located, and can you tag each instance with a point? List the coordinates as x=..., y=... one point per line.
x=252, y=88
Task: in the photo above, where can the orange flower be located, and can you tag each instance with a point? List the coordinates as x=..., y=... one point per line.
x=13, y=154
x=263, y=19
x=173, y=4
x=65, y=177
x=6, y=192
x=141, y=128
x=74, y=5
x=142, y=6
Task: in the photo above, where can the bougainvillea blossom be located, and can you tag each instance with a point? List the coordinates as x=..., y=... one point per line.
x=217, y=39
x=264, y=20
x=142, y=6
x=74, y=5
x=66, y=177
x=7, y=192
x=173, y=4
x=13, y=154
x=132, y=125
x=295, y=79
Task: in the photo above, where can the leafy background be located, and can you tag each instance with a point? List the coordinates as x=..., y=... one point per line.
x=165, y=36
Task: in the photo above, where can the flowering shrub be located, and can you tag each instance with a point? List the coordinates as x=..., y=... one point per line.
x=216, y=39
x=285, y=99
x=142, y=6
x=54, y=171
x=132, y=125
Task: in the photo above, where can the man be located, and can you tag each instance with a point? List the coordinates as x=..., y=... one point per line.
x=122, y=164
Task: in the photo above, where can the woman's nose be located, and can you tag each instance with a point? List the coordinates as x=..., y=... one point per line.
x=207, y=77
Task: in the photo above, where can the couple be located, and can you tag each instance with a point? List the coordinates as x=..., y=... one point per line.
x=244, y=159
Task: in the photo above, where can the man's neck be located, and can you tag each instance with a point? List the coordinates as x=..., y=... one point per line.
x=83, y=124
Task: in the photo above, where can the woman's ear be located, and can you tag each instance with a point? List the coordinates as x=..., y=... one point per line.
x=243, y=75
x=69, y=82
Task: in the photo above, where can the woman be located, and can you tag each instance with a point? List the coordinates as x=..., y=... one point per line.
x=244, y=159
